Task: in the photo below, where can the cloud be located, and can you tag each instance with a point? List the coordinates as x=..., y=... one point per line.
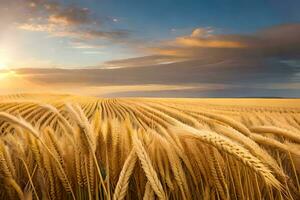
x=94, y=34
x=207, y=42
x=57, y=19
x=143, y=61
x=93, y=52
x=201, y=32
x=38, y=27
x=280, y=42
x=71, y=16
x=203, y=37
x=23, y=83
x=235, y=72
x=192, y=78
x=86, y=34
x=84, y=45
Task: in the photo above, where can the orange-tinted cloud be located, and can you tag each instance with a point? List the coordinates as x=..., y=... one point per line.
x=203, y=37
x=70, y=16
x=38, y=27
x=202, y=44
x=208, y=42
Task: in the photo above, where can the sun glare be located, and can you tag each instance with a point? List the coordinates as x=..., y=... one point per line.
x=3, y=64
x=7, y=75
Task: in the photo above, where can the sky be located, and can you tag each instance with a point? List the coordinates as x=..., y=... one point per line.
x=158, y=48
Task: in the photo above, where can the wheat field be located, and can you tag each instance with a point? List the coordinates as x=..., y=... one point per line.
x=72, y=147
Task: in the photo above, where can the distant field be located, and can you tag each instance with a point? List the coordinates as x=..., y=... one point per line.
x=73, y=147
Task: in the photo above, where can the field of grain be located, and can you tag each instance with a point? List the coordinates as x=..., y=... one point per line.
x=72, y=147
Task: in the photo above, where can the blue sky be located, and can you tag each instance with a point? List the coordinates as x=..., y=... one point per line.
x=238, y=38
x=163, y=15
x=157, y=17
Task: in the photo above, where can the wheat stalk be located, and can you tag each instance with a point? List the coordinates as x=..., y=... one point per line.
x=277, y=131
x=125, y=174
x=148, y=168
x=273, y=143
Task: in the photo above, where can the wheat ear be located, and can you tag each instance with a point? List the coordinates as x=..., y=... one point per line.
x=224, y=144
x=277, y=131
x=148, y=168
x=34, y=132
x=126, y=172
